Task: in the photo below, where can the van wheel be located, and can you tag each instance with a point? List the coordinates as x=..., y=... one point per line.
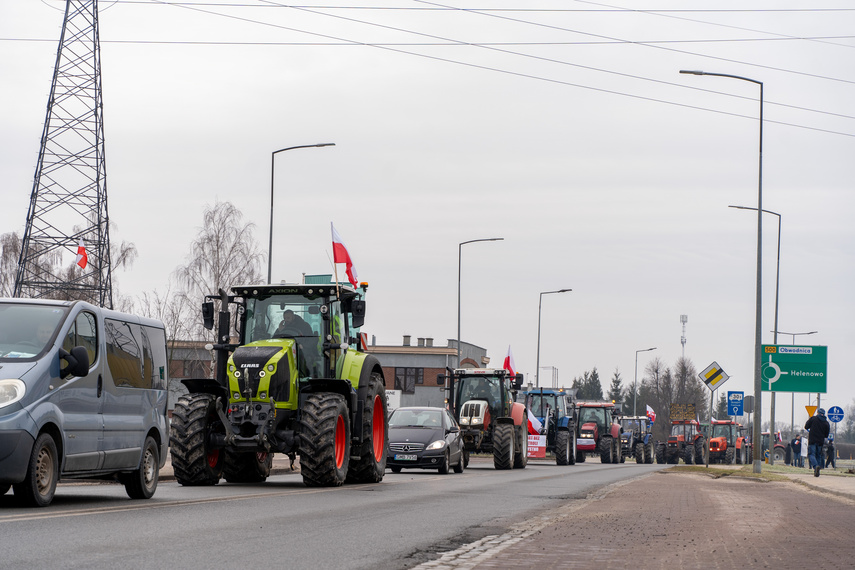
x=39, y=486
x=142, y=483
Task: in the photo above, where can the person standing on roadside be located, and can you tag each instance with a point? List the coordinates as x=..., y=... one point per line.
x=796, y=446
x=830, y=458
x=818, y=429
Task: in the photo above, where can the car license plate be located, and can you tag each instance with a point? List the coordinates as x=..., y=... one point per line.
x=405, y=457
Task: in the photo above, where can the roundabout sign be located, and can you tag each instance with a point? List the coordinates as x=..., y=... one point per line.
x=787, y=368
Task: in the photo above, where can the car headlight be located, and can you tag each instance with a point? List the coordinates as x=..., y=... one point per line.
x=438, y=444
x=11, y=391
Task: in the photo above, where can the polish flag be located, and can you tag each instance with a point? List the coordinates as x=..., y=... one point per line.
x=534, y=425
x=651, y=414
x=509, y=362
x=82, y=258
x=340, y=255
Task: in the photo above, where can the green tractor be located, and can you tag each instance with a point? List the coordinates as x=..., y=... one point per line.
x=297, y=381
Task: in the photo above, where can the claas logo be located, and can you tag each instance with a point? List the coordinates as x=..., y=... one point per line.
x=771, y=349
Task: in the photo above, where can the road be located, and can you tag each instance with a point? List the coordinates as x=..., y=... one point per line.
x=403, y=521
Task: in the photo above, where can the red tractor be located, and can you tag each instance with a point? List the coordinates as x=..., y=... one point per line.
x=599, y=432
x=686, y=441
x=727, y=444
x=482, y=400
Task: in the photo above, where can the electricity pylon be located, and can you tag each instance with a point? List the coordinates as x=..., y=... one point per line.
x=68, y=204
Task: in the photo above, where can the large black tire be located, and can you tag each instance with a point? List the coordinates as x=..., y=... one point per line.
x=461, y=463
x=521, y=447
x=324, y=440
x=563, y=449
x=729, y=456
x=700, y=451
x=465, y=458
x=445, y=467
x=639, y=453
x=193, y=461
x=606, y=449
x=247, y=466
x=660, y=454
x=648, y=453
x=371, y=465
x=779, y=454
x=503, y=446
x=580, y=456
x=39, y=485
x=142, y=483
x=688, y=454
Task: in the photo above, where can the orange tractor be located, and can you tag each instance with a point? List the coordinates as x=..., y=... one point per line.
x=686, y=441
x=727, y=444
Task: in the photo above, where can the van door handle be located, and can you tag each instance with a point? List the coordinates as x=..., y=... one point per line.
x=100, y=385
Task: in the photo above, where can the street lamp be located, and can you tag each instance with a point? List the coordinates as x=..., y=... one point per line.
x=758, y=296
x=775, y=341
x=459, y=267
x=539, y=304
x=793, y=400
x=272, y=164
x=635, y=385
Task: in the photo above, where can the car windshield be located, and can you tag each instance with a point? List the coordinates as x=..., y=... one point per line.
x=27, y=330
x=415, y=418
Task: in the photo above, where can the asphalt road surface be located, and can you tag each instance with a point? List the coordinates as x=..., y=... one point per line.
x=407, y=519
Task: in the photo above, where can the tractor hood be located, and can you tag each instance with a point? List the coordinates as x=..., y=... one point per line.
x=592, y=427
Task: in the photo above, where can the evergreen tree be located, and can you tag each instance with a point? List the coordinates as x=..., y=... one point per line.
x=616, y=390
x=588, y=386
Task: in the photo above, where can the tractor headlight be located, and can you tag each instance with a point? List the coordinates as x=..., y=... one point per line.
x=11, y=391
x=438, y=444
x=464, y=421
x=586, y=435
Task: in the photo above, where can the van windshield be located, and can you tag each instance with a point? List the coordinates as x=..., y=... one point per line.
x=27, y=330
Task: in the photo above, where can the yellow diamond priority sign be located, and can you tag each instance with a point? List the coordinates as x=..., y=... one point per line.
x=713, y=376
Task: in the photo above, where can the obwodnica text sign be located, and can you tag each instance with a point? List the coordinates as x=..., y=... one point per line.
x=788, y=368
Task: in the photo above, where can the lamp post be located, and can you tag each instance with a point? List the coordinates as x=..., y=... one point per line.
x=539, y=304
x=793, y=400
x=272, y=170
x=635, y=385
x=758, y=295
x=459, y=267
x=775, y=340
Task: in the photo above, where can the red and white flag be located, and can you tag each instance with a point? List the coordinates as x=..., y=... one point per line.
x=509, y=362
x=340, y=255
x=82, y=258
x=534, y=425
x=651, y=414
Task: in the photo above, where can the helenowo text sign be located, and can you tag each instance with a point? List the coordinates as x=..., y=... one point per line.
x=786, y=368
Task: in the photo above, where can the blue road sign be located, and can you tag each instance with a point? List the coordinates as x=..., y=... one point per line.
x=835, y=414
x=734, y=403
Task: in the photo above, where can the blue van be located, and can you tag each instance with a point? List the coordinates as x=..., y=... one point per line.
x=83, y=394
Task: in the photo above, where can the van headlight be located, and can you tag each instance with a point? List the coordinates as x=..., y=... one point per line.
x=438, y=444
x=11, y=391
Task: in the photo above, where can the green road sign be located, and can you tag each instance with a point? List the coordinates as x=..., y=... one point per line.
x=788, y=368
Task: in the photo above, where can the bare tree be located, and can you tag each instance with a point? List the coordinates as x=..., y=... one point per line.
x=11, y=250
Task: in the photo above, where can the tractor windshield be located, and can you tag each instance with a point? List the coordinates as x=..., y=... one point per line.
x=687, y=430
x=593, y=415
x=541, y=404
x=721, y=431
x=631, y=425
x=480, y=388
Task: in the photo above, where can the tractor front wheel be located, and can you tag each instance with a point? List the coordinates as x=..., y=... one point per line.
x=648, y=453
x=324, y=440
x=730, y=456
x=371, y=465
x=700, y=450
x=639, y=453
x=660, y=454
x=503, y=446
x=562, y=448
x=194, y=462
x=606, y=450
x=521, y=448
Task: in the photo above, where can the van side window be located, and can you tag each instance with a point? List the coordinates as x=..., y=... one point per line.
x=154, y=346
x=124, y=354
x=83, y=332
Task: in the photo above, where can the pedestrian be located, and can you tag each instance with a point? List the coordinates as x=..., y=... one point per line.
x=818, y=429
x=830, y=455
x=796, y=446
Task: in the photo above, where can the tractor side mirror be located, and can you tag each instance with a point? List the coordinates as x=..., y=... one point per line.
x=208, y=315
x=440, y=379
x=518, y=381
x=357, y=313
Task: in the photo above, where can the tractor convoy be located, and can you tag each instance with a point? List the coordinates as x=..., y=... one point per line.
x=556, y=412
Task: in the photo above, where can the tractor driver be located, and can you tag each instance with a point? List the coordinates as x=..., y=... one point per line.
x=292, y=325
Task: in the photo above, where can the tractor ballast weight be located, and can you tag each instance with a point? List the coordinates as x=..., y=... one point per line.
x=482, y=400
x=297, y=381
x=555, y=409
x=598, y=432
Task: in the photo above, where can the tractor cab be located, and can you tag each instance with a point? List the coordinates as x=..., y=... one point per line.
x=684, y=430
x=481, y=394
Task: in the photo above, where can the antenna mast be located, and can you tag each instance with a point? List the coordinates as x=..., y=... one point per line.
x=684, y=319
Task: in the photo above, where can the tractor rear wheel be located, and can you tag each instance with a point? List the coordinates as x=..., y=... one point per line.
x=639, y=453
x=700, y=450
x=324, y=440
x=779, y=453
x=562, y=448
x=194, y=462
x=247, y=467
x=648, y=453
x=580, y=456
x=688, y=454
x=503, y=446
x=729, y=456
x=660, y=454
x=606, y=451
x=617, y=453
x=521, y=448
x=371, y=465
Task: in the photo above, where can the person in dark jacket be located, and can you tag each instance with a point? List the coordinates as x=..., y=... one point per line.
x=796, y=446
x=818, y=429
x=830, y=458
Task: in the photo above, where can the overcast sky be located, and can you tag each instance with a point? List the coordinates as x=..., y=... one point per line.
x=563, y=127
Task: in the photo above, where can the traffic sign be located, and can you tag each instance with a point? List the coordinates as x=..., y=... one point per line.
x=713, y=376
x=734, y=403
x=788, y=368
x=835, y=414
x=811, y=410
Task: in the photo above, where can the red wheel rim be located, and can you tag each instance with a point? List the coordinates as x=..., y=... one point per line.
x=213, y=458
x=339, y=442
x=378, y=429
